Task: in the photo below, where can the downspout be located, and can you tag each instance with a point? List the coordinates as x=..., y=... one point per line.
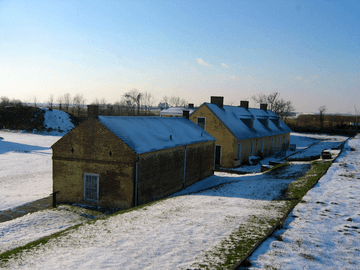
x=214, y=156
x=184, y=167
x=136, y=180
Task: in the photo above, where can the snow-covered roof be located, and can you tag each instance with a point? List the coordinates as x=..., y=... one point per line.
x=249, y=123
x=176, y=111
x=148, y=134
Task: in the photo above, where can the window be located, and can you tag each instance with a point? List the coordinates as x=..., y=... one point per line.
x=262, y=145
x=239, y=151
x=279, y=142
x=201, y=122
x=91, y=187
x=252, y=148
x=272, y=142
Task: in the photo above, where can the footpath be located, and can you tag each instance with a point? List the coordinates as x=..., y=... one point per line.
x=41, y=204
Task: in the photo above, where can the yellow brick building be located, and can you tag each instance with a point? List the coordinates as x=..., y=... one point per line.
x=121, y=162
x=241, y=132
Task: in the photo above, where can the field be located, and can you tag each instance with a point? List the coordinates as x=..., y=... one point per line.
x=199, y=227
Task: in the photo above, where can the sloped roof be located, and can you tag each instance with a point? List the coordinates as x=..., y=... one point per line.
x=176, y=111
x=148, y=134
x=249, y=123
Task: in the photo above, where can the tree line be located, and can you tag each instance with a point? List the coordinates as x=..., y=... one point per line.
x=131, y=103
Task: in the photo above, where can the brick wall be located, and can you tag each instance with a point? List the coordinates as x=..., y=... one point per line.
x=92, y=148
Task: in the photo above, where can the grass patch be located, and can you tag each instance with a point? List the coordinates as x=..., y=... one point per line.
x=7, y=255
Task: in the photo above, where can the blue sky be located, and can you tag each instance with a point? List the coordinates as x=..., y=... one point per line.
x=306, y=50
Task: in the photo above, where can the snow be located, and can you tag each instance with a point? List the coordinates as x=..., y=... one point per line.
x=179, y=232
x=26, y=168
x=58, y=121
x=148, y=134
x=323, y=231
x=26, y=164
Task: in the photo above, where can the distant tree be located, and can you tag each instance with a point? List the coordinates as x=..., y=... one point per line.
x=78, y=101
x=51, y=101
x=60, y=101
x=279, y=106
x=177, y=102
x=4, y=101
x=67, y=101
x=148, y=101
x=322, y=110
x=164, y=103
x=34, y=101
x=134, y=97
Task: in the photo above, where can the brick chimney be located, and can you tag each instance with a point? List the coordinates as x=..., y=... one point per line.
x=186, y=114
x=263, y=106
x=244, y=104
x=218, y=101
x=93, y=111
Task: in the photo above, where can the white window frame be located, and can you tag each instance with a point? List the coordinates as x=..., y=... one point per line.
x=204, y=121
x=85, y=186
x=239, y=151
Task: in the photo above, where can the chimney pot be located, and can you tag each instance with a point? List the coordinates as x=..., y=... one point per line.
x=191, y=105
x=263, y=106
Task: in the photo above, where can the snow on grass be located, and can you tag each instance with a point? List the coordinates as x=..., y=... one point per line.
x=58, y=121
x=170, y=234
x=323, y=231
x=20, y=231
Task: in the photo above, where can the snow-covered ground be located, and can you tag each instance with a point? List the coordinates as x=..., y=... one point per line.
x=25, y=168
x=25, y=161
x=175, y=233
x=323, y=232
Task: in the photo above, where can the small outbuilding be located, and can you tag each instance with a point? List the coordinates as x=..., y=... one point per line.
x=121, y=162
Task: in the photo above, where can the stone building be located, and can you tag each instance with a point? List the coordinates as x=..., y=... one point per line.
x=121, y=162
x=241, y=132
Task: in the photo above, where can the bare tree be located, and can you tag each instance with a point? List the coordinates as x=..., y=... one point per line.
x=51, y=101
x=322, y=110
x=79, y=101
x=177, y=102
x=148, y=101
x=356, y=118
x=279, y=106
x=67, y=100
x=164, y=103
x=60, y=101
x=134, y=97
x=34, y=101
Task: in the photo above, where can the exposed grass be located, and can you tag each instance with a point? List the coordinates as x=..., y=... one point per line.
x=244, y=240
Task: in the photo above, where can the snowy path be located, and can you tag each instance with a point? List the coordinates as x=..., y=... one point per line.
x=324, y=231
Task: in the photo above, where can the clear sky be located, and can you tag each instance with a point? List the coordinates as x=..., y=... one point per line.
x=306, y=50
